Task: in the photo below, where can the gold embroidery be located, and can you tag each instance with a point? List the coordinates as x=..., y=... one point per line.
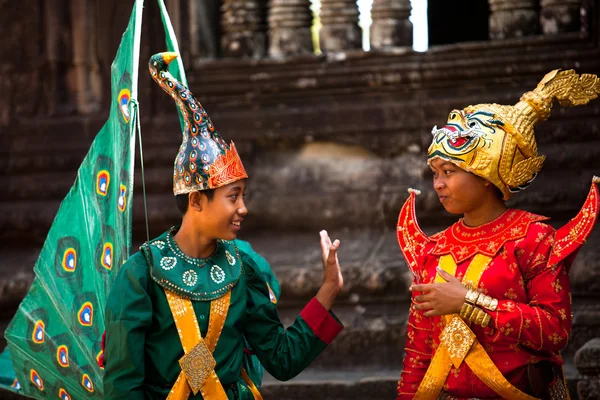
x=197, y=365
x=556, y=286
x=507, y=329
x=555, y=338
x=562, y=313
x=511, y=294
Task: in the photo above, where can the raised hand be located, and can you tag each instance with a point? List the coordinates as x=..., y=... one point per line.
x=440, y=298
x=333, y=281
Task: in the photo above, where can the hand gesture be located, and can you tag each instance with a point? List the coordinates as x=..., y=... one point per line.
x=331, y=266
x=440, y=298
x=333, y=281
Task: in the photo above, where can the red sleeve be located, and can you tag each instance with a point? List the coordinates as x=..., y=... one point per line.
x=419, y=350
x=544, y=322
x=322, y=322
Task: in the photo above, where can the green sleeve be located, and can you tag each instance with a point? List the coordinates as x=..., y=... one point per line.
x=128, y=315
x=261, y=265
x=284, y=353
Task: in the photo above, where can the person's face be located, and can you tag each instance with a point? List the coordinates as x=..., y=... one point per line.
x=459, y=191
x=221, y=217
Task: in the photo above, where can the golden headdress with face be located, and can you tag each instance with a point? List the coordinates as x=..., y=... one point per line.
x=497, y=142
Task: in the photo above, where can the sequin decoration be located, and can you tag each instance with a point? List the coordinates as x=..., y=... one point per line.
x=62, y=356
x=217, y=274
x=230, y=258
x=62, y=393
x=35, y=378
x=190, y=277
x=159, y=244
x=168, y=263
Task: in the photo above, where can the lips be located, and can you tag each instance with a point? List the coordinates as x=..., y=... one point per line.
x=237, y=224
x=442, y=198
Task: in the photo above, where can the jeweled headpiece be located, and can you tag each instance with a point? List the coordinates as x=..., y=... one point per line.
x=204, y=160
x=497, y=142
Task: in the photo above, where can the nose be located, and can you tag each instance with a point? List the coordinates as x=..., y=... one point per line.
x=242, y=210
x=438, y=183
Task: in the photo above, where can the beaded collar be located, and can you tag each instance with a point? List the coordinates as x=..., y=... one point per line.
x=463, y=242
x=200, y=279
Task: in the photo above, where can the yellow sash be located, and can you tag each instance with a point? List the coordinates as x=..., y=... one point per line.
x=198, y=363
x=458, y=343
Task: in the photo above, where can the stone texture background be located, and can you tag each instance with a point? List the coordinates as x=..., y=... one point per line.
x=330, y=142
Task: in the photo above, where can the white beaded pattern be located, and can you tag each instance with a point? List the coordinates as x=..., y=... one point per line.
x=168, y=263
x=190, y=277
x=217, y=274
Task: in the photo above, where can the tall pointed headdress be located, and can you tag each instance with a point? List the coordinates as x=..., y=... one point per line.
x=204, y=160
x=497, y=142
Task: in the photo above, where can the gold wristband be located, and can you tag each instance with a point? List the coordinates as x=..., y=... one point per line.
x=472, y=296
x=466, y=311
x=480, y=317
x=493, y=305
x=474, y=314
x=484, y=301
x=486, y=320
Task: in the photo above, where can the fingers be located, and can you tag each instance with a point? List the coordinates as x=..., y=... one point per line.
x=422, y=298
x=447, y=277
x=423, y=306
x=332, y=256
x=424, y=287
x=431, y=313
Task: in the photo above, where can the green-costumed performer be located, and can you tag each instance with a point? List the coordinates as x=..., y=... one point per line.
x=181, y=309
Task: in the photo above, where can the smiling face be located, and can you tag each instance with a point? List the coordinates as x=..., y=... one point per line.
x=459, y=191
x=221, y=217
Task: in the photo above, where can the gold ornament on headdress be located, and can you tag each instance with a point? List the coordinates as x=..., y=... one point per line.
x=497, y=142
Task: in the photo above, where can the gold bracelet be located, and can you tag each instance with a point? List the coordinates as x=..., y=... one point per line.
x=484, y=301
x=466, y=311
x=486, y=320
x=474, y=314
x=480, y=317
x=472, y=296
x=493, y=305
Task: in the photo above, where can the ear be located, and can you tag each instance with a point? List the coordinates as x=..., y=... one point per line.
x=195, y=201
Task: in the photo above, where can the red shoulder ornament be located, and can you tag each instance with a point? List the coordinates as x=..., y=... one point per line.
x=411, y=238
x=569, y=239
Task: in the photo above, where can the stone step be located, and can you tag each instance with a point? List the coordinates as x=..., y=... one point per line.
x=351, y=383
x=342, y=384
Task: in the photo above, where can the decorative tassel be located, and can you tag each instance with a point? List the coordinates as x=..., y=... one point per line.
x=415, y=191
x=595, y=179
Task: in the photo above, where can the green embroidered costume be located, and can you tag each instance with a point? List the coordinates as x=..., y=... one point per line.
x=142, y=344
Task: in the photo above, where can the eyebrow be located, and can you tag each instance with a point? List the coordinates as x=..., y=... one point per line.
x=234, y=188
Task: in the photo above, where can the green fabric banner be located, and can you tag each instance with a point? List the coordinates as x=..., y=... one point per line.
x=54, y=340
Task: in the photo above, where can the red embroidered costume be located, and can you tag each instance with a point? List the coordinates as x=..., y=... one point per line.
x=516, y=263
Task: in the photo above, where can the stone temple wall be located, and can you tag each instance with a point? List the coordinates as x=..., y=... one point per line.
x=330, y=142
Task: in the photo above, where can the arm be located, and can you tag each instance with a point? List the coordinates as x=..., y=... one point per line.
x=543, y=323
x=419, y=340
x=284, y=353
x=128, y=314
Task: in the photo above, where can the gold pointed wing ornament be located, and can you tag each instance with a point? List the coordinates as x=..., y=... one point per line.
x=497, y=142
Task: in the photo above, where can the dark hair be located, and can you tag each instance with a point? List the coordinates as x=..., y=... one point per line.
x=183, y=200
